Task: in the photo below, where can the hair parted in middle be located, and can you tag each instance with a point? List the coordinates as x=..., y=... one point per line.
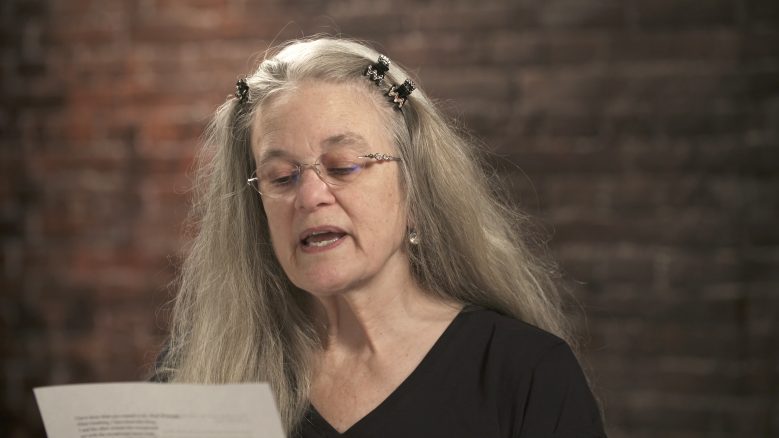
x=238, y=318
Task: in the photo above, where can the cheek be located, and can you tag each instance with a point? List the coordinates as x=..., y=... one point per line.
x=279, y=228
x=385, y=217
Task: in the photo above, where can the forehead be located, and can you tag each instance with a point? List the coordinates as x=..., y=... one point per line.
x=312, y=118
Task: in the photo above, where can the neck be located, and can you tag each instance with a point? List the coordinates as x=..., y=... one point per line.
x=371, y=318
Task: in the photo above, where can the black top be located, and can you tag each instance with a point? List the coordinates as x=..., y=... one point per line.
x=488, y=375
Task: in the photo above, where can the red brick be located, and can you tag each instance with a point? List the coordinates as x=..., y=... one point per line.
x=642, y=134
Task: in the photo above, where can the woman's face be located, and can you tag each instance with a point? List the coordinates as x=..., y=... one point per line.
x=333, y=239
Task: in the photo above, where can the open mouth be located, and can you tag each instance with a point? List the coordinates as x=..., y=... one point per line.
x=320, y=239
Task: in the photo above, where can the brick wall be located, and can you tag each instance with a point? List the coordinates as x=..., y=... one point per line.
x=642, y=133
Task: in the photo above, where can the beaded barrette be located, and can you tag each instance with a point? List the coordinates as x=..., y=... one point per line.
x=375, y=72
x=398, y=94
x=242, y=91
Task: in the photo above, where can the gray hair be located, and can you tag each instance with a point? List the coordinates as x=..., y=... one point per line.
x=237, y=317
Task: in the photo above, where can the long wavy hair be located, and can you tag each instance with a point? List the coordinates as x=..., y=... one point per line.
x=237, y=318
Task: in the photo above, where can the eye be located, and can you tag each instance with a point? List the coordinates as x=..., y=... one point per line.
x=283, y=180
x=343, y=169
x=279, y=174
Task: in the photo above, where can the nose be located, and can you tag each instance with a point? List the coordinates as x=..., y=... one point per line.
x=312, y=190
x=315, y=167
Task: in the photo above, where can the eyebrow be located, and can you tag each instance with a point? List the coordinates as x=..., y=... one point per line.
x=347, y=138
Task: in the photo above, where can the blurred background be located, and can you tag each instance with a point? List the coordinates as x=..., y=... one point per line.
x=642, y=134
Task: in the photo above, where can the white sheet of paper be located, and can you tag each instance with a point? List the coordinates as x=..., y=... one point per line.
x=157, y=410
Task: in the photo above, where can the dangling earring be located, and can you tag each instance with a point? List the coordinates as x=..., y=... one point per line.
x=413, y=237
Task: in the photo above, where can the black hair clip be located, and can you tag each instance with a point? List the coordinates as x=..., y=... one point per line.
x=400, y=93
x=375, y=72
x=242, y=90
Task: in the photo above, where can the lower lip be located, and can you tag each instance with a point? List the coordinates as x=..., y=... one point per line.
x=315, y=249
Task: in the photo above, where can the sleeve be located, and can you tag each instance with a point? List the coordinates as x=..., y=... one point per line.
x=559, y=403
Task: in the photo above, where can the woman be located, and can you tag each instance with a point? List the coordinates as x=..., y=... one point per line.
x=367, y=271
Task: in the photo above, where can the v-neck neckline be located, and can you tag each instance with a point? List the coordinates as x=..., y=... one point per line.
x=320, y=422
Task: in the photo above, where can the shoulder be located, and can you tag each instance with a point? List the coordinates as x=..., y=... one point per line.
x=533, y=376
x=512, y=340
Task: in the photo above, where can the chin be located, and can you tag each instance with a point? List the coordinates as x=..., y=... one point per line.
x=324, y=284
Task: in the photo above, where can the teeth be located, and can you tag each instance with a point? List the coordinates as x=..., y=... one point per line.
x=321, y=238
x=323, y=242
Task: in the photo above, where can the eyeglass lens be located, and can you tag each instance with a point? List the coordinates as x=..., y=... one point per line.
x=280, y=176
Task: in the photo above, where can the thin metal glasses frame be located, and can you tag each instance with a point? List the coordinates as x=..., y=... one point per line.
x=254, y=181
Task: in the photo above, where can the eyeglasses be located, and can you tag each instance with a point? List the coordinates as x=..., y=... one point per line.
x=278, y=178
